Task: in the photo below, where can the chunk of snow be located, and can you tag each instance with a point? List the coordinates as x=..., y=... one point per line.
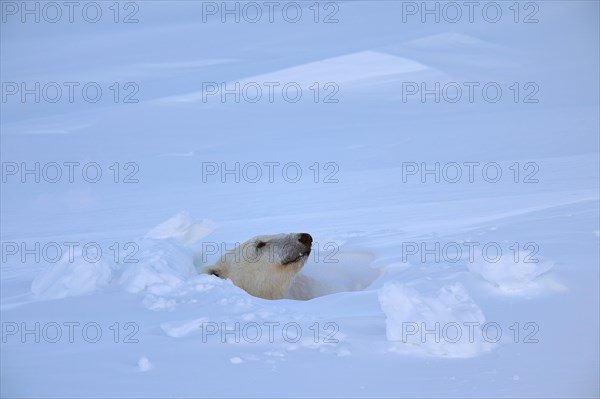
x=438, y=325
x=181, y=227
x=162, y=269
x=71, y=277
x=513, y=272
x=144, y=364
x=183, y=328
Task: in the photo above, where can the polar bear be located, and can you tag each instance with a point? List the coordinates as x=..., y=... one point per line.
x=264, y=266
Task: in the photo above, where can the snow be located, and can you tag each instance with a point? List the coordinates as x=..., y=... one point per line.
x=460, y=282
x=449, y=324
x=516, y=272
x=71, y=278
x=144, y=364
x=182, y=228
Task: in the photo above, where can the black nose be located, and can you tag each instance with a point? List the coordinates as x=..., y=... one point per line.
x=305, y=239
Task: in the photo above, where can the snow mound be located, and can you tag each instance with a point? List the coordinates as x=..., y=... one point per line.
x=182, y=228
x=363, y=69
x=515, y=273
x=163, y=268
x=448, y=324
x=162, y=265
x=71, y=277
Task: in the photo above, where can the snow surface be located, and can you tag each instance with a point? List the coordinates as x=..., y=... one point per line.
x=376, y=319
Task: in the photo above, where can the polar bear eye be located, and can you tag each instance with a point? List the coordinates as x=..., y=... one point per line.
x=260, y=244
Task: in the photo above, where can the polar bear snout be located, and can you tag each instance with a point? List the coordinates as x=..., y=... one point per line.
x=297, y=250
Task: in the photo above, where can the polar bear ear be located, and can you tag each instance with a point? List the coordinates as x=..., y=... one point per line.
x=212, y=271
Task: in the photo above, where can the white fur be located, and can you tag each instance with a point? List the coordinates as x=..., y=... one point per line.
x=264, y=266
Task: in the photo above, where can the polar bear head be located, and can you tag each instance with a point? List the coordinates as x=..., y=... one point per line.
x=264, y=266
